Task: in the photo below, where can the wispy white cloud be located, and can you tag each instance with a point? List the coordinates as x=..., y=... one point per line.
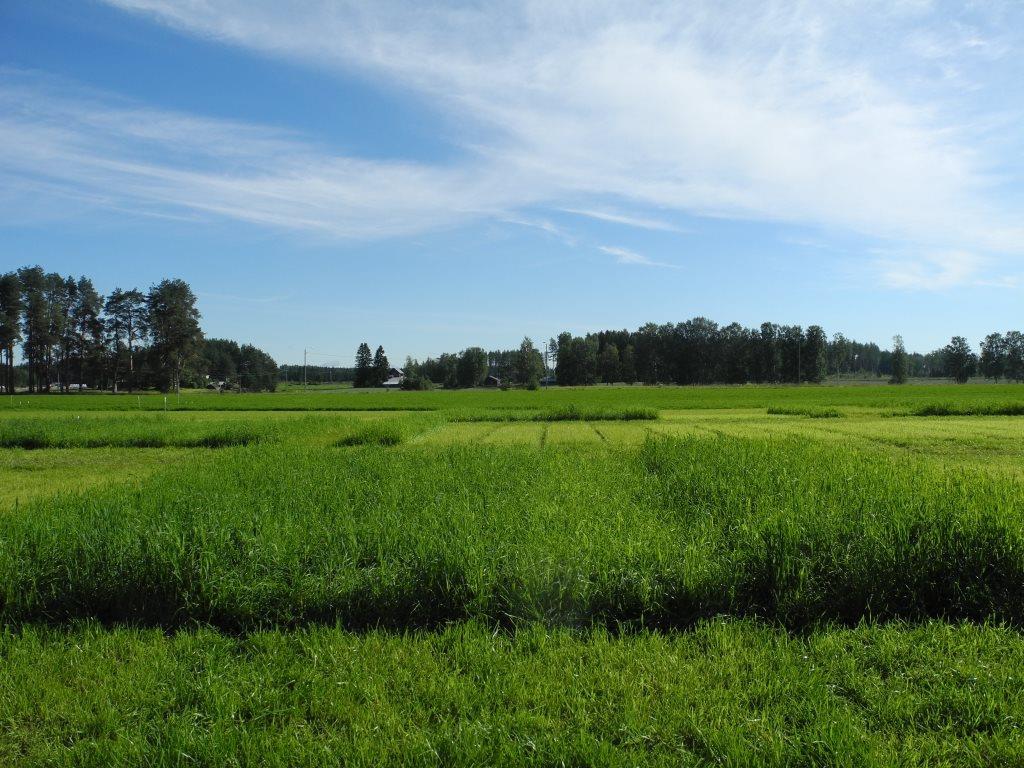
x=810, y=113
x=809, y=242
x=97, y=152
x=785, y=116
x=626, y=256
x=629, y=221
x=544, y=226
x=938, y=271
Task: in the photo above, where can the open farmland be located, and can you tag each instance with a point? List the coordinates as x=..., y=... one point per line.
x=604, y=576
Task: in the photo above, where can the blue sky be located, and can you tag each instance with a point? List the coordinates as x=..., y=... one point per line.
x=431, y=176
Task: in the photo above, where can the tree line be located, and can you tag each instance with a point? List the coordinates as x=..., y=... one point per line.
x=71, y=337
x=226, y=364
x=468, y=368
x=315, y=374
x=699, y=351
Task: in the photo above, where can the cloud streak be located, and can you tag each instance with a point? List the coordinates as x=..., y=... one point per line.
x=626, y=256
x=808, y=113
x=629, y=221
x=100, y=153
x=939, y=271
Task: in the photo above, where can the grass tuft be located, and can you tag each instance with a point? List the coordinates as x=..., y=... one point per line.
x=974, y=409
x=374, y=433
x=125, y=432
x=569, y=412
x=813, y=413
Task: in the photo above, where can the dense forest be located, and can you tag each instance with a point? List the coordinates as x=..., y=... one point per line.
x=73, y=338
x=699, y=351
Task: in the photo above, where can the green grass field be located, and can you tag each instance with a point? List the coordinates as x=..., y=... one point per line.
x=606, y=576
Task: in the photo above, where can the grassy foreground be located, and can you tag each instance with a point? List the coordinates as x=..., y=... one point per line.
x=617, y=576
x=725, y=694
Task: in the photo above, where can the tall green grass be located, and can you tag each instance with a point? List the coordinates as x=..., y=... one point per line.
x=727, y=694
x=811, y=412
x=569, y=412
x=970, y=409
x=374, y=433
x=881, y=397
x=143, y=431
x=662, y=536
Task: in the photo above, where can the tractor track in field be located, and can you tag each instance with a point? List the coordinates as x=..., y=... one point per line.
x=490, y=432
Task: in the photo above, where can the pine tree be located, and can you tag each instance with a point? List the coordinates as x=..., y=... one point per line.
x=627, y=364
x=34, y=324
x=364, y=366
x=125, y=324
x=10, y=327
x=814, y=355
x=173, y=321
x=86, y=327
x=608, y=363
x=381, y=366
x=899, y=361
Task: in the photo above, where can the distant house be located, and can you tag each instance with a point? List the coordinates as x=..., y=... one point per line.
x=395, y=378
x=492, y=381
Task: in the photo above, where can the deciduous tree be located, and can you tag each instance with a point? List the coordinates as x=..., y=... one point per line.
x=960, y=360
x=529, y=363
x=993, y=356
x=1014, y=346
x=472, y=367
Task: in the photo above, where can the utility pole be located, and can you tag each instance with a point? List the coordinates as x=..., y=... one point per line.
x=304, y=369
